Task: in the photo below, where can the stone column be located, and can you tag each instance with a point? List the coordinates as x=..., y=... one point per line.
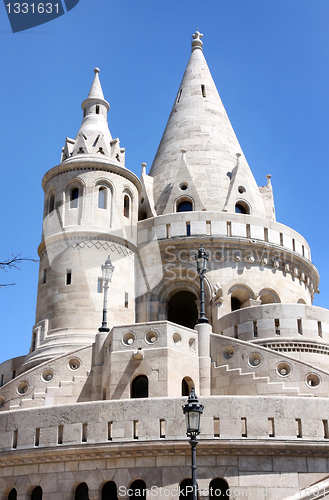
x=204, y=330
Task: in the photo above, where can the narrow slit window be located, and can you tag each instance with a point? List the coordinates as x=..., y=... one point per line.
x=44, y=277
x=216, y=427
x=244, y=427
x=60, y=434
x=255, y=329
x=126, y=300
x=277, y=326
x=15, y=438
x=51, y=203
x=188, y=229
x=102, y=198
x=271, y=432
x=229, y=229
x=299, y=428
x=281, y=239
x=325, y=429
x=34, y=341
x=162, y=428
x=248, y=233
x=179, y=96
x=109, y=431
x=37, y=437
x=167, y=230
x=265, y=234
x=203, y=90
x=293, y=245
x=300, y=327
x=303, y=250
x=1, y=384
x=97, y=109
x=236, y=336
x=135, y=429
x=320, y=329
x=100, y=285
x=208, y=228
x=126, y=206
x=69, y=277
x=84, y=432
x=74, y=198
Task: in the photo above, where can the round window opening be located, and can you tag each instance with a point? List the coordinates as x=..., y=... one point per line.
x=192, y=343
x=183, y=186
x=283, y=369
x=128, y=338
x=177, y=339
x=228, y=352
x=151, y=337
x=312, y=380
x=74, y=363
x=22, y=388
x=241, y=189
x=47, y=375
x=255, y=359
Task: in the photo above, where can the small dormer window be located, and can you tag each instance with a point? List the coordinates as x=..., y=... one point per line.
x=97, y=110
x=242, y=208
x=185, y=206
x=74, y=197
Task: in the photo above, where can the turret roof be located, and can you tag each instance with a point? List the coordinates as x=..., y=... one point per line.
x=199, y=124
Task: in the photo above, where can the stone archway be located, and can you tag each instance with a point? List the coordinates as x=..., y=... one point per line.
x=182, y=309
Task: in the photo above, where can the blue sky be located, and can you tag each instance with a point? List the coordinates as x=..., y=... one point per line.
x=270, y=62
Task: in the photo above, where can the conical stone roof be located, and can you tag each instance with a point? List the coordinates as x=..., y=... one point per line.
x=199, y=124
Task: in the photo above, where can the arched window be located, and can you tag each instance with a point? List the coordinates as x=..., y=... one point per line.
x=185, y=489
x=184, y=206
x=74, y=197
x=126, y=206
x=218, y=488
x=187, y=384
x=81, y=493
x=13, y=494
x=51, y=203
x=182, y=309
x=138, y=488
x=235, y=304
x=142, y=215
x=109, y=491
x=140, y=387
x=102, y=198
x=37, y=493
x=242, y=208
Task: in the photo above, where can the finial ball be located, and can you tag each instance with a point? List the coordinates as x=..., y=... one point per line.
x=96, y=70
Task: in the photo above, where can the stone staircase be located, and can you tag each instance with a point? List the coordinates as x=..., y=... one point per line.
x=233, y=381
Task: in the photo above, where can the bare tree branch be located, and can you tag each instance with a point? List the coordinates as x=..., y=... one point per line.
x=13, y=262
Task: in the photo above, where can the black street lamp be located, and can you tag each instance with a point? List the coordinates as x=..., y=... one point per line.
x=201, y=263
x=107, y=271
x=193, y=411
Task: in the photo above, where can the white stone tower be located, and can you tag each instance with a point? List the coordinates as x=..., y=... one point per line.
x=90, y=212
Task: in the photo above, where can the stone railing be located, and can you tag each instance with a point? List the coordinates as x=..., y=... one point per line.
x=223, y=224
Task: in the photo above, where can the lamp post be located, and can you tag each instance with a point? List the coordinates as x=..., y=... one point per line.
x=201, y=263
x=107, y=271
x=193, y=411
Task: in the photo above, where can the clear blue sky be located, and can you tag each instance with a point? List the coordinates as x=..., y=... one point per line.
x=270, y=62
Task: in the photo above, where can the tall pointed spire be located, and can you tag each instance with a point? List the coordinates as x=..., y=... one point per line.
x=198, y=123
x=94, y=136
